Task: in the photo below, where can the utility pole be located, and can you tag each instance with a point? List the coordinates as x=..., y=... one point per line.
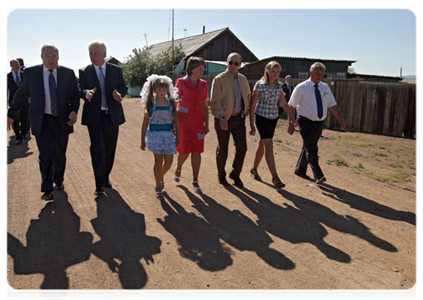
x=401, y=72
x=173, y=45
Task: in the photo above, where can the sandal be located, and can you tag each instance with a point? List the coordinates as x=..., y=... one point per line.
x=197, y=188
x=177, y=177
x=255, y=174
x=159, y=193
x=162, y=183
x=277, y=182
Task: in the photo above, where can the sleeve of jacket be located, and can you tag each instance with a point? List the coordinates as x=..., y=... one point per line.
x=6, y=90
x=215, y=98
x=82, y=87
x=75, y=96
x=122, y=89
x=20, y=98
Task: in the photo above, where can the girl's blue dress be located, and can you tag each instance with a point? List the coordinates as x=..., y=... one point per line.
x=160, y=138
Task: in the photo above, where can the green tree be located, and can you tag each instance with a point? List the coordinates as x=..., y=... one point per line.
x=140, y=64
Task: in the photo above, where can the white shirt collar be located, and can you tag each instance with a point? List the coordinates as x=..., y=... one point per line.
x=103, y=66
x=45, y=69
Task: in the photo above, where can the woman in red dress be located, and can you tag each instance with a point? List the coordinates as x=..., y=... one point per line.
x=193, y=113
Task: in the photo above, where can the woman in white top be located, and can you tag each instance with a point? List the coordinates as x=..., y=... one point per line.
x=267, y=97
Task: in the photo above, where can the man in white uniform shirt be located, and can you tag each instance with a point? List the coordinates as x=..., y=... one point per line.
x=312, y=99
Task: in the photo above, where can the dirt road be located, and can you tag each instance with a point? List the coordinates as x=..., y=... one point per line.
x=355, y=232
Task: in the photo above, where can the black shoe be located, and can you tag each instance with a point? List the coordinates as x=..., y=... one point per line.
x=320, y=180
x=99, y=192
x=302, y=175
x=223, y=181
x=27, y=136
x=18, y=142
x=237, y=181
x=60, y=186
x=47, y=195
x=108, y=184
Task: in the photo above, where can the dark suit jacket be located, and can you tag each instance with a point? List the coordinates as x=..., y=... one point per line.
x=11, y=85
x=287, y=93
x=114, y=81
x=32, y=85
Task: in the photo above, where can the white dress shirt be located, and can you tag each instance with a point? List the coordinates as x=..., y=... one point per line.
x=46, y=74
x=304, y=99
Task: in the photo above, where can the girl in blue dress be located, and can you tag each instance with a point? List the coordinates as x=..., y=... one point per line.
x=160, y=118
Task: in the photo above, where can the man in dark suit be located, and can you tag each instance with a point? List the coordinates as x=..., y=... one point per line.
x=287, y=87
x=14, y=79
x=53, y=112
x=102, y=87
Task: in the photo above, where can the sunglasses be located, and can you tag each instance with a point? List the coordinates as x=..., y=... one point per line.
x=234, y=63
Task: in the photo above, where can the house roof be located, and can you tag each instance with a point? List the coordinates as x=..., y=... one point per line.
x=190, y=44
x=303, y=58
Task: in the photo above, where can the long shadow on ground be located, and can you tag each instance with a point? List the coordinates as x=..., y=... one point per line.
x=54, y=243
x=239, y=231
x=366, y=205
x=123, y=239
x=197, y=239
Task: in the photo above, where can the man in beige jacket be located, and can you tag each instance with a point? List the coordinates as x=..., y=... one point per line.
x=229, y=102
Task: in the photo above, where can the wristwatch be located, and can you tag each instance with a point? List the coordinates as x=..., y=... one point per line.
x=222, y=118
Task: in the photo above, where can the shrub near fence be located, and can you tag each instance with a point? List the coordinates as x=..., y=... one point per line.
x=378, y=108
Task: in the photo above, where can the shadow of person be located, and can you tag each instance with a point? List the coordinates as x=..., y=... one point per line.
x=289, y=223
x=345, y=224
x=366, y=205
x=239, y=231
x=17, y=151
x=54, y=243
x=123, y=238
x=197, y=240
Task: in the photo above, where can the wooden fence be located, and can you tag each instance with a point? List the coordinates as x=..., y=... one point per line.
x=379, y=108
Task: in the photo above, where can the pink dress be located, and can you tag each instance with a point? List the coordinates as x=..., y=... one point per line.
x=190, y=110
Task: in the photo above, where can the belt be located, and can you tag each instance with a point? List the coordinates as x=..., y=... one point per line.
x=106, y=112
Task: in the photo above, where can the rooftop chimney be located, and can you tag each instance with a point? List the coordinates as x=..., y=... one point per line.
x=204, y=29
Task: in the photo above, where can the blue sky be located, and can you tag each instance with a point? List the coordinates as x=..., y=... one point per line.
x=382, y=41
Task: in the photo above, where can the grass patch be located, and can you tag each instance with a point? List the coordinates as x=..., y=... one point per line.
x=340, y=149
x=357, y=144
x=277, y=140
x=338, y=161
x=399, y=177
x=381, y=154
x=393, y=165
x=357, y=154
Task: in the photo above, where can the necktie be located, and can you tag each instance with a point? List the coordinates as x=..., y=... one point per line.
x=318, y=101
x=102, y=87
x=53, y=94
x=18, y=82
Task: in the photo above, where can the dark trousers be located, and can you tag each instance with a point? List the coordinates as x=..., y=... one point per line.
x=52, y=144
x=236, y=127
x=310, y=132
x=21, y=123
x=104, y=137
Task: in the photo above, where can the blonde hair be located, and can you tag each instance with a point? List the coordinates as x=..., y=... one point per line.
x=160, y=83
x=270, y=66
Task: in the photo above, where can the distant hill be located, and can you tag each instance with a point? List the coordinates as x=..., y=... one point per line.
x=410, y=77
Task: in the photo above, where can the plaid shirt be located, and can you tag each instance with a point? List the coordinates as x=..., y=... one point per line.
x=268, y=100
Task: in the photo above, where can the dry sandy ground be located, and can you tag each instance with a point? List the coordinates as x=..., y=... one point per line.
x=355, y=232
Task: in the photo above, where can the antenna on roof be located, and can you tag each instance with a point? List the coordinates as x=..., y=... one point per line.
x=145, y=36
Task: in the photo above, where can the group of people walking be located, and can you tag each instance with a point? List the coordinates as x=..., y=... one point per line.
x=176, y=118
